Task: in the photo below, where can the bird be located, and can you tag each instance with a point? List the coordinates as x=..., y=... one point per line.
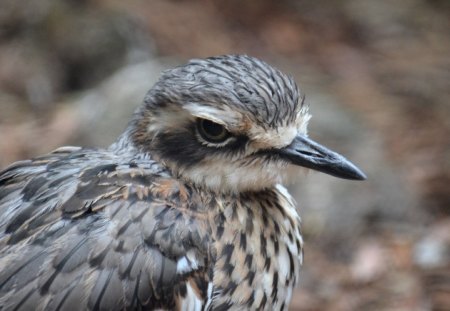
x=186, y=210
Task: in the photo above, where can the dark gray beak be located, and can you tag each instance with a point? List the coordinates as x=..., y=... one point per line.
x=305, y=152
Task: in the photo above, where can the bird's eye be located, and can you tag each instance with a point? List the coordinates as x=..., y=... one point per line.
x=212, y=132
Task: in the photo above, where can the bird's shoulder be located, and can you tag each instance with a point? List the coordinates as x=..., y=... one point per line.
x=111, y=230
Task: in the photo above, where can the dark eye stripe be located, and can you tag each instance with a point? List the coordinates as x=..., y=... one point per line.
x=185, y=149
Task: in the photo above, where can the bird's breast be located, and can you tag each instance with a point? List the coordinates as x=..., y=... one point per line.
x=258, y=251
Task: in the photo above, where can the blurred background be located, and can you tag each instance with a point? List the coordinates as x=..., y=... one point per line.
x=376, y=75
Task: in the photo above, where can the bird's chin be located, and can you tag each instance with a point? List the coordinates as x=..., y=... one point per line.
x=233, y=178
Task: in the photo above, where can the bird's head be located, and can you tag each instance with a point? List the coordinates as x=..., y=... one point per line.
x=231, y=123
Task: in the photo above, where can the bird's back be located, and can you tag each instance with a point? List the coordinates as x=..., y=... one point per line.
x=86, y=229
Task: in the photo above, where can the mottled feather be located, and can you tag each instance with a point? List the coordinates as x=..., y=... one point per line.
x=114, y=230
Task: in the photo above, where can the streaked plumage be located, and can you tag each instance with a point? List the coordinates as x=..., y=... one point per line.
x=185, y=211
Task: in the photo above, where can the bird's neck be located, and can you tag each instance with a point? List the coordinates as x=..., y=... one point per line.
x=261, y=232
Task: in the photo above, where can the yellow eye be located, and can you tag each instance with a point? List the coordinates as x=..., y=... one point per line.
x=212, y=132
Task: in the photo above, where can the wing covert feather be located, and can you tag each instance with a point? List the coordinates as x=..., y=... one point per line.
x=86, y=228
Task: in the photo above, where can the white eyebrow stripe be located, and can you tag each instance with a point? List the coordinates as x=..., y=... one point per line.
x=224, y=116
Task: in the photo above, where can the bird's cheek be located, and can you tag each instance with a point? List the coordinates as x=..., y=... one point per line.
x=291, y=173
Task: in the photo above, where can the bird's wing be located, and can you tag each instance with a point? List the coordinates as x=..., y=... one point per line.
x=82, y=230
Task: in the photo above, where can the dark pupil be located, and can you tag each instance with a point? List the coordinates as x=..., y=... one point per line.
x=212, y=129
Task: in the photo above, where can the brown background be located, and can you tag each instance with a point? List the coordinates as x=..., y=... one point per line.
x=376, y=75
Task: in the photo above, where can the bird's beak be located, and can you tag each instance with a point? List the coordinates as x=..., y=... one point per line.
x=307, y=153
